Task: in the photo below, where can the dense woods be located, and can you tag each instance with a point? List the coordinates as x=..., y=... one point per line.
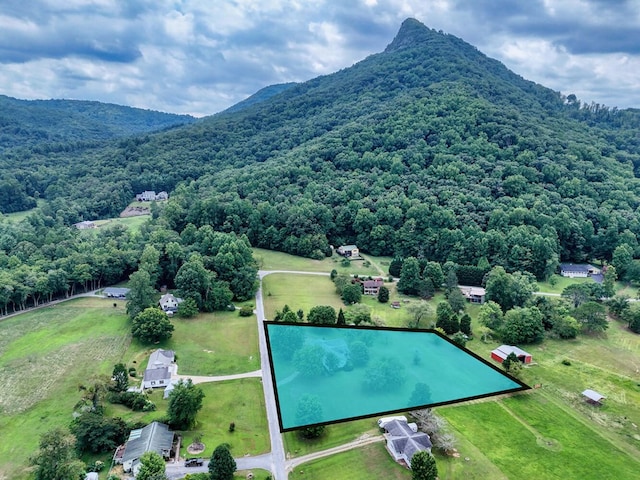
x=429, y=149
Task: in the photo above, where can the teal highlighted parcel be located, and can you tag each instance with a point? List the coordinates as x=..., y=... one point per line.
x=329, y=374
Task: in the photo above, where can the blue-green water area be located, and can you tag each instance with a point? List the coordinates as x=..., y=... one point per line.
x=328, y=374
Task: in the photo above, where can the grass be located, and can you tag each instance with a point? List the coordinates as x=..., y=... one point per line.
x=17, y=217
x=220, y=343
x=238, y=401
x=47, y=354
x=334, y=435
x=559, y=283
x=365, y=463
x=272, y=260
x=131, y=222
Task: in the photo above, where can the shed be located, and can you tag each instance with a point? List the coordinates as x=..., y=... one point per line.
x=503, y=351
x=115, y=292
x=593, y=397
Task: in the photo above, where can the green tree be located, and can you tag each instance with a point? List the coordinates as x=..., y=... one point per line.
x=384, y=374
x=566, y=327
x=465, y=324
x=286, y=341
x=512, y=364
x=152, y=467
x=592, y=317
x=150, y=263
x=188, y=308
x=358, y=353
x=308, y=361
x=341, y=320
x=609, y=282
x=459, y=338
x=577, y=294
x=410, y=280
x=633, y=320
x=358, y=314
x=446, y=319
x=491, y=315
x=457, y=300
x=418, y=312
x=622, y=259
x=322, y=315
x=433, y=271
x=222, y=465
x=421, y=395
x=383, y=294
x=55, y=458
x=141, y=293
x=395, y=267
x=185, y=401
x=309, y=412
x=352, y=293
x=120, y=377
x=96, y=433
x=522, y=325
x=509, y=290
x=151, y=326
x=618, y=305
x=423, y=466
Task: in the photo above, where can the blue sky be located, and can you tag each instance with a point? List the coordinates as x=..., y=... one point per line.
x=201, y=56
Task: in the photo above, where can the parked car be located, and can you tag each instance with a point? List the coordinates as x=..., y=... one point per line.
x=194, y=462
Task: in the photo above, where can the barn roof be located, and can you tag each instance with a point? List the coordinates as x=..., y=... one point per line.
x=503, y=351
x=593, y=395
x=155, y=437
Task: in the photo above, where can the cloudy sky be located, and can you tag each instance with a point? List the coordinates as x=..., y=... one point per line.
x=201, y=56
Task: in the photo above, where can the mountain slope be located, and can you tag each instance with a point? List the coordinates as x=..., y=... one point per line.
x=429, y=148
x=31, y=122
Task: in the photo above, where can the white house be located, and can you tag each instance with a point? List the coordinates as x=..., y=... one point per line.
x=578, y=270
x=348, y=251
x=403, y=442
x=160, y=369
x=169, y=303
x=473, y=294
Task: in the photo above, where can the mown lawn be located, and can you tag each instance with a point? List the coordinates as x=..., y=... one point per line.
x=238, y=401
x=334, y=435
x=365, y=463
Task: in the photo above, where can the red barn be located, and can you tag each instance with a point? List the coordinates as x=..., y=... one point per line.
x=503, y=351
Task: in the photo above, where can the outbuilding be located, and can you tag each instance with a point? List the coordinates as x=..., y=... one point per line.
x=593, y=397
x=503, y=351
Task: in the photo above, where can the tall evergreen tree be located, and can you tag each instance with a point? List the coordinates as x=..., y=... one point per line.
x=423, y=466
x=222, y=465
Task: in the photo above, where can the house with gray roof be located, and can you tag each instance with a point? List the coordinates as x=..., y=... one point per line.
x=160, y=369
x=578, y=270
x=403, y=442
x=155, y=437
x=169, y=303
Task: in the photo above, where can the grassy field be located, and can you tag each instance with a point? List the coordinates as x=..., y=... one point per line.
x=131, y=222
x=365, y=463
x=48, y=353
x=334, y=435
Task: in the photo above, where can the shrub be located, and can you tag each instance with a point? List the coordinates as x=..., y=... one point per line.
x=132, y=372
x=232, y=427
x=246, y=311
x=566, y=362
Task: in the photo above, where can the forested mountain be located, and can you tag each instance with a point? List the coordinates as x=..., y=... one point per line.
x=260, y=96
x=429, y=148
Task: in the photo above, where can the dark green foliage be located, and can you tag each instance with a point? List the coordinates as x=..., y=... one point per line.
x=511, y=364
x=459, y=338
x=433, y=272
x=633, y=319
x=410, y=281
x=470, y=275
x=465, y=324
x=395, y=267
x=426, y=289
x=592, y=317
x=308, y=361
x=222, y=465
x=247, y=311
x=578, y=293
x=358, y=354
x=308, y=412
x=457, y=300
x=384, y=374
x=618, y=305
x=423, y=466
x=55, y=458
x=522, y=325
x=352, y=293
x=141, y=293
x=133, y=400
x=96, y=433
x=509, y=290
x=420, y=396
x=286, y=341
x=566, y=327
x=151, y=325
x=383, y=294
x=120, y=378
x=446, y=318
x=341, y=320
x=188, y=308
x=322, y=314
x=185, y=401
x=152, y=467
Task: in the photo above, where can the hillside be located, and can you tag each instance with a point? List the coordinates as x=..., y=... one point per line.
x=429, y=148
x=31, y=122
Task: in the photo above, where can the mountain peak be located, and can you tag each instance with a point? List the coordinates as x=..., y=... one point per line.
x=412, y=32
